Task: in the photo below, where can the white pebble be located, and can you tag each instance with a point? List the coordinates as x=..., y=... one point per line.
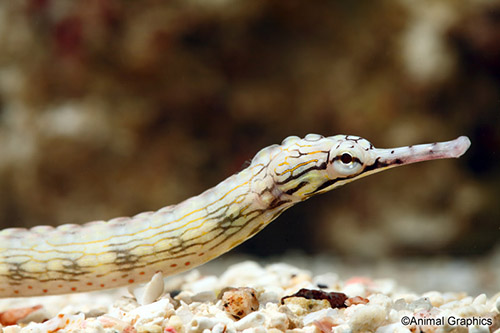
x=185, y=296
x=271, y=295
x=393, y=328
x=450, y=297
x=254, y=319
x=184, y=313
x=243, y=274
x=435, y=298
x=96, y=326
x=450, y=305
x=285, y=271
x=400, y=304
x=382, y=300
x=466, y=301
x=274, y=318
x=330, y=280
x=153, y=313
x=366, y=317
x=467, y=311
x=479, y=329
x=204, y=297
x=385, y=286
x=222, y=328
x=151, y=291
x=11, y=329
x=314, y=316
x=192, y=276
x=341, y=329
x=60, y=322
x=355, y=289
x=420, y=304
x=207, y=283
x=480, y=300
x=199, y=323
x=255, y=330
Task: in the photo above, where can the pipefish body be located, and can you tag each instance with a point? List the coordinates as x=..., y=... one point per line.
x=98, y=255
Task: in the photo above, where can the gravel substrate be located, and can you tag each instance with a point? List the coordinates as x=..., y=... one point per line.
x=251, y=298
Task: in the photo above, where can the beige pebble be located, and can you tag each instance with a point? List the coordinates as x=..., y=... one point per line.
x=301, y=306
x=275, y=318
x=176, y=323
x=293, y=320
x=239, y=302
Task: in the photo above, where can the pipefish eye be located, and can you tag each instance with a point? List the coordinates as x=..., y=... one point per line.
x=345, y=164
x=346, y=158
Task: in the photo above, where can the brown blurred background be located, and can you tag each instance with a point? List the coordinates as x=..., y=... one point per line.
x=110, y=108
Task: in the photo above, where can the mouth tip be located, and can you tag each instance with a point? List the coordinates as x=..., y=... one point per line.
x=462, y=144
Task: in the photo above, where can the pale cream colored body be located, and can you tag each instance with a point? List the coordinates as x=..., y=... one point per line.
x=73, y=258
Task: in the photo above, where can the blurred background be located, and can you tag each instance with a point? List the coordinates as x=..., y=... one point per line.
x=110, y=108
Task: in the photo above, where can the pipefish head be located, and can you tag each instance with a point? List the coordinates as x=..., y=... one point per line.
x=316, y=164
